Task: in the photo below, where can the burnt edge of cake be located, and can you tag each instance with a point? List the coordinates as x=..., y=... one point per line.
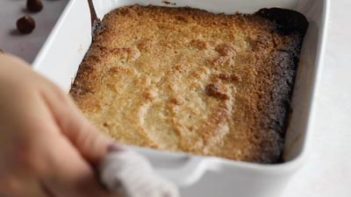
x=287, y=21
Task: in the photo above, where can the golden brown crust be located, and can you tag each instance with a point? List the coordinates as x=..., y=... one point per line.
x=183, y=79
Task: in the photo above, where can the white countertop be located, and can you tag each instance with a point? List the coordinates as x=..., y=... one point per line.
x=328, y=170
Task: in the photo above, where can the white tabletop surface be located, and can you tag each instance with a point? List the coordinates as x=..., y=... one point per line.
x=328, y=171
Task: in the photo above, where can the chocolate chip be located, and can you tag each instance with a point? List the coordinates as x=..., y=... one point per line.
x=25, y=25
x=168, y=3
x=34, y=5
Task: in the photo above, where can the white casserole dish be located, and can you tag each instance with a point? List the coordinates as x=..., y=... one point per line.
x=205, y=176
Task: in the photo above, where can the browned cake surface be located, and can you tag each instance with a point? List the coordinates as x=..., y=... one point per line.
x=192, y=81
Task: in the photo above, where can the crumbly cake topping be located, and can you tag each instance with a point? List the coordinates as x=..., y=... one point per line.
x=182, y=79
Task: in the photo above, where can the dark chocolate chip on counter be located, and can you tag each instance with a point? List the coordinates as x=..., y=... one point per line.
x=25, y=25
x=168, y=3
x=35, y=5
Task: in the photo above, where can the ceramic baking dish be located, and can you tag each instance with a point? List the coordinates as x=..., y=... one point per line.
x=205, y=176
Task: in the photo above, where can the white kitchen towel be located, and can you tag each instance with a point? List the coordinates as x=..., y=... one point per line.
x=132, y=175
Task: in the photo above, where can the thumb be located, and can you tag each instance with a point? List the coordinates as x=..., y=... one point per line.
x=92, y=144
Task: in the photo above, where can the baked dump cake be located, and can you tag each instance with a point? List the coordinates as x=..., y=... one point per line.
x=182, y=79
